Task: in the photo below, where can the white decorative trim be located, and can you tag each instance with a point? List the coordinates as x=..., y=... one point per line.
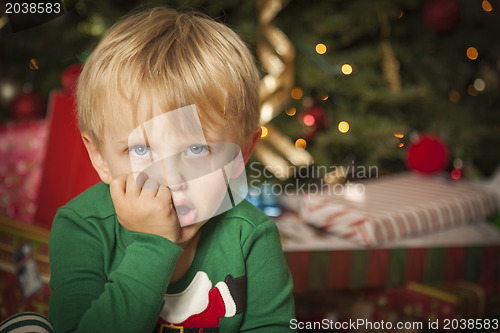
x=191, y=301
x=230, y=305
x=20, y=318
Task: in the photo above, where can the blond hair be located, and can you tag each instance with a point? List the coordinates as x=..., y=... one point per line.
x=183, y=59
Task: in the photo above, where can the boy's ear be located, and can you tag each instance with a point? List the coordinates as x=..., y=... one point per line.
x=98, y=162
x=246, y=151
x=250, y=144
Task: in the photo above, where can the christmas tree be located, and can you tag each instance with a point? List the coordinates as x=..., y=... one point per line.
x=383, y=71
x=370, y=76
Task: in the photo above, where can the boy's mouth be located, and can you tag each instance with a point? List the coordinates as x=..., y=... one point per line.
x=182, y=210
x=185, y=212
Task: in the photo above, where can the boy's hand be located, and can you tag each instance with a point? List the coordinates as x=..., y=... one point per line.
x=148, y=209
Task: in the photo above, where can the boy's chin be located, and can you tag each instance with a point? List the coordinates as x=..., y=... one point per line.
x=187, y=233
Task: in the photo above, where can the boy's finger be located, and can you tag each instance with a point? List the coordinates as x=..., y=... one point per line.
x=117, y=186
x=132, y=190
x=164, y=194
x=150, y=188
x=140, y=178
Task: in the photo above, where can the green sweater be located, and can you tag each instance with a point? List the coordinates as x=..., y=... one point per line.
x=107, y=279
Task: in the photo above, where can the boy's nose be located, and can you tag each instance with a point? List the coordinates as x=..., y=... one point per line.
x=165, y=172
x=178, y=187
x=172, y=174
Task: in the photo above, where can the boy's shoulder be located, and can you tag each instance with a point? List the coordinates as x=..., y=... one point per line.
x=95, y=201
x=250, y=216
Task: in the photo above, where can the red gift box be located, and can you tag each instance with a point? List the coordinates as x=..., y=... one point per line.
x=21, y=159
x=67, y=170
x=44, y=164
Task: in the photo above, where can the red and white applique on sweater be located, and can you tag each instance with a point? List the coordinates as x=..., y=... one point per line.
x=202, y=305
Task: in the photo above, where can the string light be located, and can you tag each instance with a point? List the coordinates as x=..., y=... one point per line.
x=346, y=69
x=472, y=53
x=297, y=93
x=456, y=174
x=486, y=6
x=458, y=163
x=398, y=136
x=479, y=84
x=343, y=127
x=34, y=64
x=471, y=90
x=266, y=112
x=400, y=14
x=454, y=96
x=270, y=82
x=291, y=111
x=324, y=98
x=309, y=120
x=300, y=144
x=7, y=91
x=264, y=131
x=321, y=48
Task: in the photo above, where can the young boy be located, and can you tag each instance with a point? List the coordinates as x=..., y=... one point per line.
x=168, y=107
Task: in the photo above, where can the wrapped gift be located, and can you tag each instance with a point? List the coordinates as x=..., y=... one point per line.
x=352, y=311
x=67, y=170
x=440, y=305
x=21, y=160
x=13, y=298
x=321, y=261
x=395, y=207
x=354, y=269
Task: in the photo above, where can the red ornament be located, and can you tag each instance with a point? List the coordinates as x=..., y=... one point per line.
x=70, y=76
x=441, y=15
x=428, y=155
x=26, y=106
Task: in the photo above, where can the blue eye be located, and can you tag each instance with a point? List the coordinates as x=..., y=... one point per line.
x=139, y=150
x=196, y=150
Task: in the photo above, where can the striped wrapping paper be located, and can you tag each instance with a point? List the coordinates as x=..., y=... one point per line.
x=395, y=207
x=385, y=267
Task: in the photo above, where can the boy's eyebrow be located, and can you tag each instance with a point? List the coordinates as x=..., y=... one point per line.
x=122, y=142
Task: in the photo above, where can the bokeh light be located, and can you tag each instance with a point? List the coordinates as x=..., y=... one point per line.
x=291, y=111
x=264, y=131
x=346, y=69
x=458, y=163
x=343, y=127
x=34, y=64
x=472, y=53
x=454, y=96
x=456, y=174
x=300, y=144
x=309, y=120
x=321, y=48
x=297, y=93
x=479, y=84
x=471, y=90
x=486, y=6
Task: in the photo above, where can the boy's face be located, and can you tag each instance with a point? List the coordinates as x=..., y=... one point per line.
x=171, y=150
